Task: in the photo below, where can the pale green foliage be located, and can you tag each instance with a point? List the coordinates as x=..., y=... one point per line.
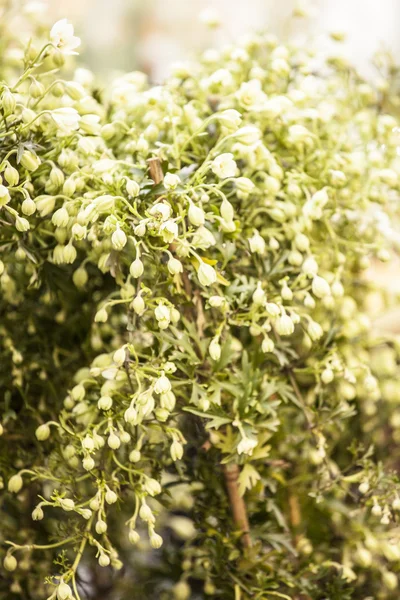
x=154, y=330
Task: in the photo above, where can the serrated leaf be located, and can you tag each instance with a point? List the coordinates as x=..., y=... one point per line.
x=248, y=478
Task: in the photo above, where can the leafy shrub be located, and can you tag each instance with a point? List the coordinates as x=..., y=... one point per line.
x=186, y=350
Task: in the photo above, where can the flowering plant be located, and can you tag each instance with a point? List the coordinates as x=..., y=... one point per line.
x=186, y=350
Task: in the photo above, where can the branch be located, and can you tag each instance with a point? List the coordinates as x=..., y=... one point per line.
x=231, y=472
x=155, y=169
x=238, y=507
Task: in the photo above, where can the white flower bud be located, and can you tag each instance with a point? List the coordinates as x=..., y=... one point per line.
x=327, y=375
x=78, y=392
x=214, y=349
x=314, y=330
x=363, y=487
x=119, y=356
x=174, y=266
x=259, y=297
x=10, y=562
x=286, y=293
x=337, y=289
x=37, y=513
x=227, y=211
x=310, y=267
x=78, y=231
x=152, y=487
x=42, y=432
x=248, y=135
x=162, y=312
x=175, y=315
x=133, y=188
x=162, y=385
x=67, y=504
x=140, y=230
x=216, y=301
x=111, y=497
x=146, y=514
x=61, y=217
x=133, y=537
x=135, y=456
x=11, y=175
x=136, y=269
x=196, y=215
x=168, y=400
x=267, y=345
x=124, y=437
x=4, y=195
x=257, y=244
x=22, y=224
x=88, y=463
x=101, y=316
x=69, y=254
x=105, y=403
x=138, y=305
x=309, y=301
x=206, y=274
x=320, y=287
x=302, y=242
x=15, y=483
x=176, y=450
x=56, y=177
x=30, y=161
x=244, y=185
x=118, y=239
x=284, y=325
x=230, y=118
x=101, y=527
x=171, y=181
x=28, y=207
x=104, y=560
x=113, y=441
x=155, y=540
x=95, y=504
x=272, y=309
x=80, y=277
x=88, y=443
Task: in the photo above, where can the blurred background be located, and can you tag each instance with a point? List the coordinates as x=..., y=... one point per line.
x=150, y=34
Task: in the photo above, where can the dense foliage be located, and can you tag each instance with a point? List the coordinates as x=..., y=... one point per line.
x=186, y=352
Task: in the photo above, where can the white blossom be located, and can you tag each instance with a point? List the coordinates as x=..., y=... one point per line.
x=63, y=38
x=224, y=166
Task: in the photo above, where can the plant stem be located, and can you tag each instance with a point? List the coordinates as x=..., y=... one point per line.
x=238, y=506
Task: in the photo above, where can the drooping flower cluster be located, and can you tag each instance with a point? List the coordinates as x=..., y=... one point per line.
x=182, y=266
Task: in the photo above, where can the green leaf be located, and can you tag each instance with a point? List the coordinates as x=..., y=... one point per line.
x=248, y=478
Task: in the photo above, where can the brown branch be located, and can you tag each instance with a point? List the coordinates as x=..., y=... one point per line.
x=238, y=507
x=155, y=169
x=231, y=472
